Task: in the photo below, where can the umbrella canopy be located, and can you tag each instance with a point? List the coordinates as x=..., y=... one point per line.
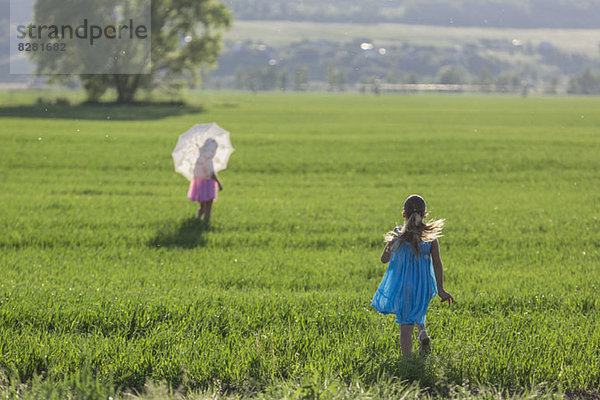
x=187, y=150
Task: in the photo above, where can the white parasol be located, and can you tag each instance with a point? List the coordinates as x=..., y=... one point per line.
x=187, y=150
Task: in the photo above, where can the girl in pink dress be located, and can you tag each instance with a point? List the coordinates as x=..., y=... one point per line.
x=203, y=189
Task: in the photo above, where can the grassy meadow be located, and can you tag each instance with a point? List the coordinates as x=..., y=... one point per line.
x=108, y=285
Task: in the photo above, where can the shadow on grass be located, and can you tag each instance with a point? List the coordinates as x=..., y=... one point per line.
x=414, y=369
x=421, y=372
x=187, y=235
x=100, y=111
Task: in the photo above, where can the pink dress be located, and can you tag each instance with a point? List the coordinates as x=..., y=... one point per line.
x=203, y=188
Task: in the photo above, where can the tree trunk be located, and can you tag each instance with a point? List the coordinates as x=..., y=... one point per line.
x=126, y=85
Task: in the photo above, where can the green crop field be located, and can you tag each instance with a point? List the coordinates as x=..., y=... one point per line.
x=109, y=286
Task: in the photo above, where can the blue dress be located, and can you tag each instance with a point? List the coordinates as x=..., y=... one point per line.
x=407, y=286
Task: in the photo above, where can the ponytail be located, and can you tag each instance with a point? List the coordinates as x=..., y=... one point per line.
x=413, y=230
x=415, y=221
x=416, y=229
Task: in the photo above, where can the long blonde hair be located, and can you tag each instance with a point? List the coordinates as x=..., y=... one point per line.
x=415, y=229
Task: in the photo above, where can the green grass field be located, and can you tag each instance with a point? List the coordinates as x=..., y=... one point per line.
x=107, y=283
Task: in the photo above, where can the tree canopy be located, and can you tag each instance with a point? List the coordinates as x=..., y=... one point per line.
x=185, y=34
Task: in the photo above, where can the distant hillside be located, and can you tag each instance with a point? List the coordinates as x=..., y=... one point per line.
x=301, y=55
x=491, y=13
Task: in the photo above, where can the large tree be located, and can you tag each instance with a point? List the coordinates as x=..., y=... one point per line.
x=185, y=35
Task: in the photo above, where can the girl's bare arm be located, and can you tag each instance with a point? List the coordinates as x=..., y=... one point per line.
x=438, y=269
x=387, y=253
x=214, y=176
x=387, y=250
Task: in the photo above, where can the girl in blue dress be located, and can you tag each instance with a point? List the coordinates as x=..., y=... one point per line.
x=415, y=274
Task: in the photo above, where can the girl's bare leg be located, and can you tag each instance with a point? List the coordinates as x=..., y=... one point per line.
x=424, y=341
x=421, y=329
x=200, y=211
x=207, y=208
x=406, y=339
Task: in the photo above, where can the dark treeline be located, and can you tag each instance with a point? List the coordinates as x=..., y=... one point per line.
x=497, y=65
x=494, y=13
